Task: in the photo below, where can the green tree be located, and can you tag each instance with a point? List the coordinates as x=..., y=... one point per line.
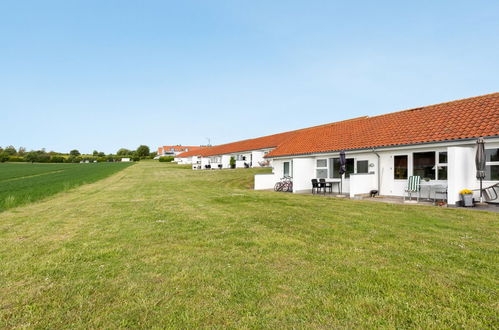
x=123, y=152
x=74, y=153
x=142, y=151
x=10, y=150
x=31, y=156
x=21, y=151
x=95, y=153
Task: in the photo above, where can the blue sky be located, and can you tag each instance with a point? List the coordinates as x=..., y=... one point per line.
x=108, y=74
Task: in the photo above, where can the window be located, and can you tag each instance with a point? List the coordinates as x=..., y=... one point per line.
x=442, y=157
x=321, y=163
x=287, y=169
x=334, y=167
x=321, y=171
x=492, y=155
x=350, y=167
x=442, y=166
x=492, y=164
x=424, y=164
x=400, y=167
x=362, y=166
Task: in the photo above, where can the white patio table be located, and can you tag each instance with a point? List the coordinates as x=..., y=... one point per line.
x=432, y=186
x=333, y=182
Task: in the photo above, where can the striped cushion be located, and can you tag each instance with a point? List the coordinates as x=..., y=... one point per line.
x=413, y=183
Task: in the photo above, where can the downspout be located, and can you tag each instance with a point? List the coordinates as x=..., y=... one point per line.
x=378, y=171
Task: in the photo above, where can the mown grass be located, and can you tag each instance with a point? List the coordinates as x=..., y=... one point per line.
x=22, y=183
x=158, y=245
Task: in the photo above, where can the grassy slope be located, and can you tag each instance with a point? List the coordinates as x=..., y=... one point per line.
x=22, y=183
x=159, y=245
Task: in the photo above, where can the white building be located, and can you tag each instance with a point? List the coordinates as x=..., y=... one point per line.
x=244, y=154
x=437, y=143
x=173, y=151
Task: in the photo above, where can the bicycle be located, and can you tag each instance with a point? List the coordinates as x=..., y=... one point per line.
x=285, y=185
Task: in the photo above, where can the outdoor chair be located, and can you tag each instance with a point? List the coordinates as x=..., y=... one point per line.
x=315, y=186
x=491, y=194
x=326, y=185
x=413, y=187
x=441, y=192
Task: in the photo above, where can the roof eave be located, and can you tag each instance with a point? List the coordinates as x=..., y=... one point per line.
x=382, y=146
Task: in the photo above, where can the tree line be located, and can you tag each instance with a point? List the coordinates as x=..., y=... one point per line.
x=11, y=154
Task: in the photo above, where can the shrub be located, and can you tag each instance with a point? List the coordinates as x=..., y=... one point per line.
x=4, y=157
x=167, y=159
x=101, y=159
x=57, y=159
x=43, y=158
x=15, y=159
x=73, y=159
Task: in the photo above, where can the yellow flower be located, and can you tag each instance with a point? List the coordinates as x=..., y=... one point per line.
x=465, y=192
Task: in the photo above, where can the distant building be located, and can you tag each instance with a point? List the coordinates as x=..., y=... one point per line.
x=174, y=150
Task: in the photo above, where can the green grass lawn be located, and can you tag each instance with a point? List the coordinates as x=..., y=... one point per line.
x=160, y=245
x=22, y=183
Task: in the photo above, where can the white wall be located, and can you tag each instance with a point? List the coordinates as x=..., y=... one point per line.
x=204, y=161
x=461, y=171
x=395, y=187
x=357, y=156
x=257, y=156
x=303, y=173
x=278, y=168
x=265, y=181
x=240, y=163
x=362, y=183
x=226, y=161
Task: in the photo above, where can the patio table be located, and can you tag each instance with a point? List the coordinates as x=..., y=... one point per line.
x=334, y=181
x=432, y=186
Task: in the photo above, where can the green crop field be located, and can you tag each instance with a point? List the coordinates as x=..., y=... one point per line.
x=22, y=183
x=161, y=246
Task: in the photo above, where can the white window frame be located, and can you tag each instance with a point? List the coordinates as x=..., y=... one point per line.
x=438, y=164
x=409, y=166
x=290, y=168
x=492, y=163
x=360, y=160
x=317, y=167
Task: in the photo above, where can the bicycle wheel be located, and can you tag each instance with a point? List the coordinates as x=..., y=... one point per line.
x=278, y=186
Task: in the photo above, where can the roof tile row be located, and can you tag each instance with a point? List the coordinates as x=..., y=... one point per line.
x=461, y=119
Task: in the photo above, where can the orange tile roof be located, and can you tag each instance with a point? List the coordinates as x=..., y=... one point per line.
x=196, y=152
x=176, y=148
x=461, y=119
x=265, y=142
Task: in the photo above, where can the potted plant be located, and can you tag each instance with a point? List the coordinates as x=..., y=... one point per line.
x=466, y=197
x=232, y=162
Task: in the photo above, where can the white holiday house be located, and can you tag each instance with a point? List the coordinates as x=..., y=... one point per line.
x=437, y=143
x=245, y=154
